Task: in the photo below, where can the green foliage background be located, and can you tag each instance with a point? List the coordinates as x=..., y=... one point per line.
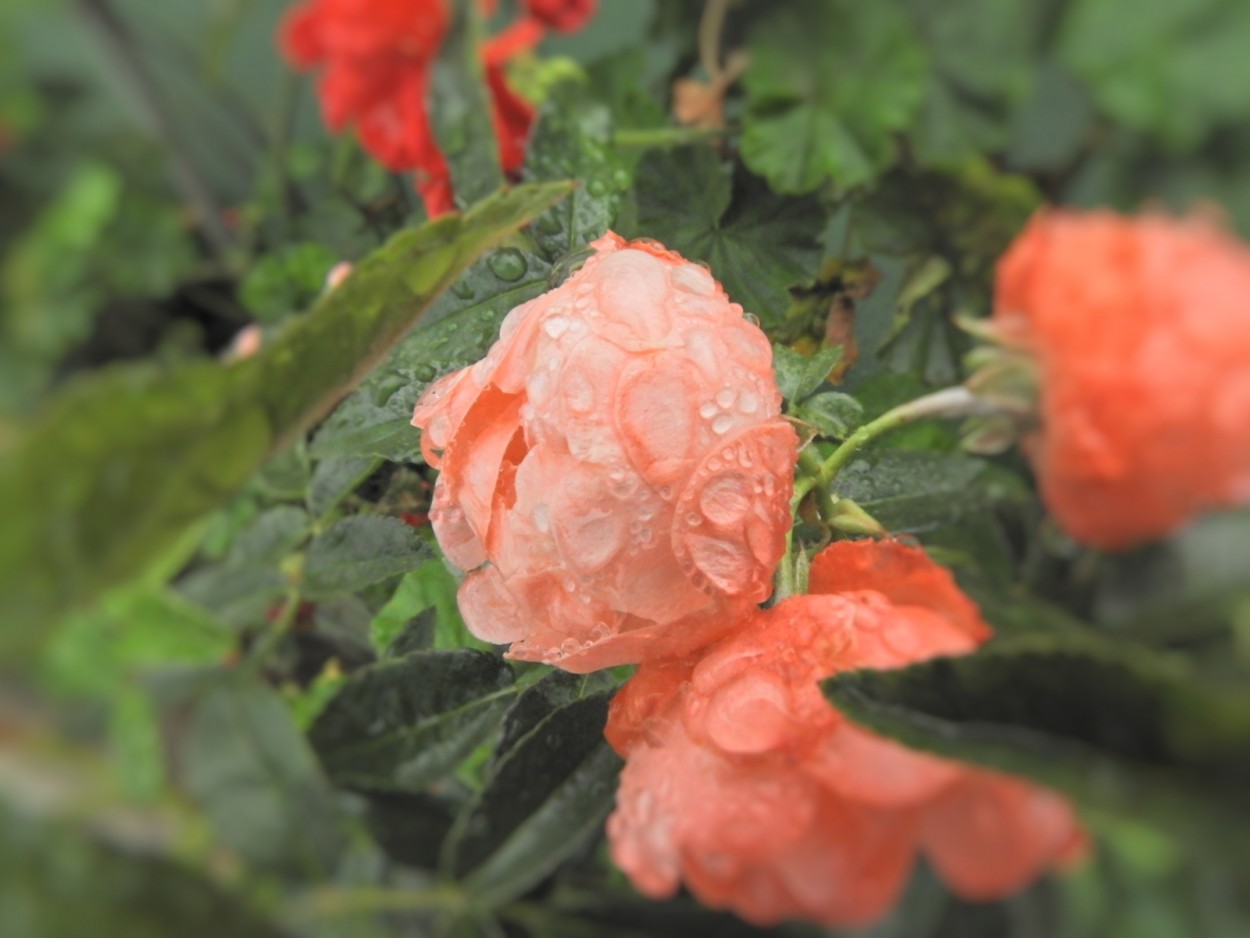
x=237, y=697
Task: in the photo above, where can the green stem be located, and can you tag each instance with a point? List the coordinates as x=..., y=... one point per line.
x=810, y=469
x=949, y=402
x=668, y=136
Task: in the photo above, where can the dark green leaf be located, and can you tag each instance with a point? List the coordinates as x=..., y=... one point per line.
x=123, y=460
x=544, y=800
x=248, y=767
x=535, y=704
x=402, y=725
x=911, y=492
x=410, y=828
x=757, y=244
x=56, y=882
x=239, y=594
x=829, y=85
x=573, y=141
x=1110, y=724
x=359, y=550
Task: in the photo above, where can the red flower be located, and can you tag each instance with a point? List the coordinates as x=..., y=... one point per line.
x=566, y=16
x=376, y=58
x=1140, y=333
x=743, y=782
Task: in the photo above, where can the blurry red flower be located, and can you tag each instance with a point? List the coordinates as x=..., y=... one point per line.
x=1140, y=333
x=744, y=783
x=376, y=58
x=564, y=15
x=615, y=473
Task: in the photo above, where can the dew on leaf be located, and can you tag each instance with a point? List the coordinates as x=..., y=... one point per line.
x=508, y=264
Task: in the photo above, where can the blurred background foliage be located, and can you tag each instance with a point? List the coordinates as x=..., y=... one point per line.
x=242, y=702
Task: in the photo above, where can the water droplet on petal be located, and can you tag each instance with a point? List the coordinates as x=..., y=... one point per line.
x=725, y=397
x=722, y=424
x=748, y=402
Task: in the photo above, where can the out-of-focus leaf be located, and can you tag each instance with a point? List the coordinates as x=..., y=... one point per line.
x=273, y=535
x=286, y=281
x=757, y=244
x=1197, y=576
x=359, y=550
x=543, y=801
x=1174, y=68
x=56, y=881
x=133, y=630
x=1110, y=724
x=410, y=828
x=983, y=65
x=402, y=725
x=123, y=460
x=830, y=83
x=250, y=770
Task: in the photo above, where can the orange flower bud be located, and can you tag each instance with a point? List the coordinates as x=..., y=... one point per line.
x=1140, y=331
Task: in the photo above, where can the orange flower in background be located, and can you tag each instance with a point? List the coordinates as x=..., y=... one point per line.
x=1139, y=329
x=745, y=784
x=376, y=58
x=615, y=473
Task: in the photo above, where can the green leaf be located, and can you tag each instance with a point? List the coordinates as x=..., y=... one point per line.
x=829, y=85
x=286, y=281
x=757, y=244
x=334, y=479
x=124, y=459
x=833, y=413
x=1116, y=727
x=430, y=586
x=1174, y=68
x=410, y=828
x=402, y=725
x=359, y=550
x=983, y=54
x=56, y=882
x=248, y=767
x=799, y=375
x=572, y=140
x=912, y=492
x=273, y=535
x=544, y=800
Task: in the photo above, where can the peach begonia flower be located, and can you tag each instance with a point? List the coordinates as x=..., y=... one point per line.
x=745, y=784
x=1139, y=333
x=615, y=473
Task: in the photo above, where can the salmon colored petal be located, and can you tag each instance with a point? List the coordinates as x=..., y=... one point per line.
x=990, y=835
x=570, y=447
x=870, y=770
x=903, y=574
